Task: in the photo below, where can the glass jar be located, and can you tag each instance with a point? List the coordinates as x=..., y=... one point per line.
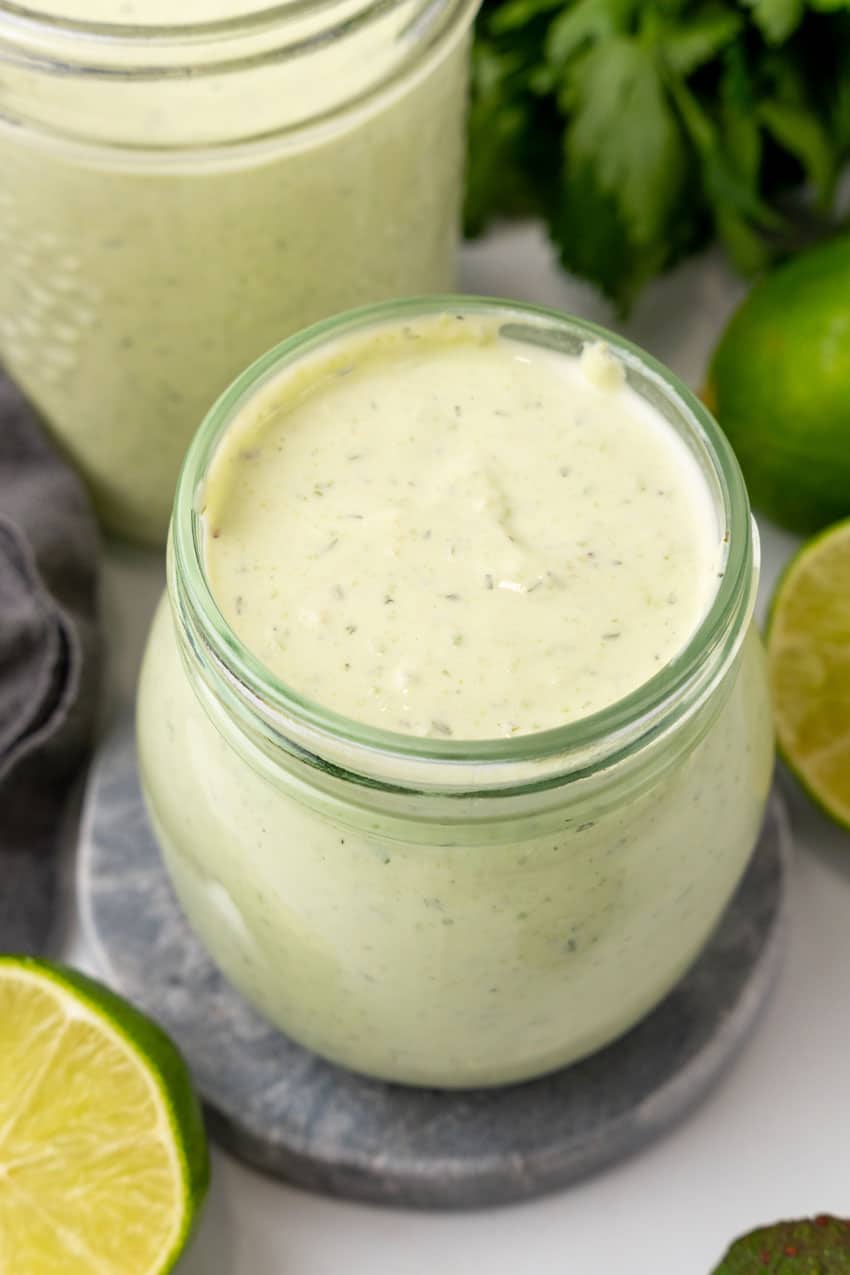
x=451, y=913
x=185, y=189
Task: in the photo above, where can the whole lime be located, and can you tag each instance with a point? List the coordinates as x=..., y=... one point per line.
x=779, y=384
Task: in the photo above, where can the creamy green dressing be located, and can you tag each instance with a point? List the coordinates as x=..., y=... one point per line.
x=448, y=532
x=442, y=532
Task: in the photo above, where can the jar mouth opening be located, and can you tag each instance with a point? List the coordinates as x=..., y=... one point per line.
x=601, y=735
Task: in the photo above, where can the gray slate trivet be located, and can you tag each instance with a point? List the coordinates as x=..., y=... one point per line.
x=28, y=908
x=288, y=1113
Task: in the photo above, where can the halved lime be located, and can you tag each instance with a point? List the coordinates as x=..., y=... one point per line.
x=103, y=1156
x=808, y=651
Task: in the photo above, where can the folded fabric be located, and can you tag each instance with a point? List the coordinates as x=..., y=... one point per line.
x=48, y=662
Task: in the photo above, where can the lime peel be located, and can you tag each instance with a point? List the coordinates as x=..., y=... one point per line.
x=102, y=1143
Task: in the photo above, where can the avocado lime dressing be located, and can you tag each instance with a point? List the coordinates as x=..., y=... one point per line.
x=443, y=532
x=466, y=528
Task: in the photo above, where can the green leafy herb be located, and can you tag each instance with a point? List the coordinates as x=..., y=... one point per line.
x=816, y=1246
x=640, y=128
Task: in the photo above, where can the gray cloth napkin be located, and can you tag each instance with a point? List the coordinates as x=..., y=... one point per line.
x=48, y=663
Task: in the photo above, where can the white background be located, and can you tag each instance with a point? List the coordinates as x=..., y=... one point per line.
x=772, y=1140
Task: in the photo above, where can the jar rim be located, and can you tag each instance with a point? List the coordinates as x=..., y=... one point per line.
x=219, y=53
x=261, y=18
x=602, y=735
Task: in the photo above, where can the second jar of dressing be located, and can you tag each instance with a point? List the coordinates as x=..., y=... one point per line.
x=186, y=184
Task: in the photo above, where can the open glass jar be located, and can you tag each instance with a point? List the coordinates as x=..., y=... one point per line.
x=441, y=912
x=185, y=185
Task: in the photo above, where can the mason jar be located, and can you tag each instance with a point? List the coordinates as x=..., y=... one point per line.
x=444, y=912
x=185, y=184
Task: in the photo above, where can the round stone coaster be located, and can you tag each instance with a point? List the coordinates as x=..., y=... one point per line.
x=291, y=1114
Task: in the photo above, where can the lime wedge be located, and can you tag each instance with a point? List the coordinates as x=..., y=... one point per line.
x=808, y=651
x=103, y=1157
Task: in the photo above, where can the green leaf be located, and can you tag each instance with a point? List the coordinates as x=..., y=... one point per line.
x=593, y=240
x=723, y=185
x=799, y=130
x=728, y=170
x=777, y=19
x=820, y=1246
x=498, y=120
x=839, y=106
x=583, y=21
x=748, y=250
x=739, y=124
x=700, y=38
x=727, y=190
x=624, y=129
x=515, y=15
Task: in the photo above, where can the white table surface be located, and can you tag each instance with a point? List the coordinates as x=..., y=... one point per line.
x=772, y=1140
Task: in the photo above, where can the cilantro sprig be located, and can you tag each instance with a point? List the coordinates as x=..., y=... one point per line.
x=640, y=128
